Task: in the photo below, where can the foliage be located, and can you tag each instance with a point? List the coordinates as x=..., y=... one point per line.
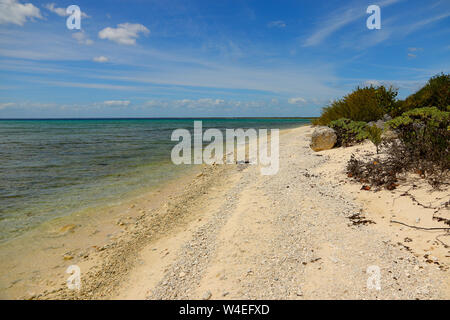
x=436, y=93
x=348, y=132
x=374, y=135
x=376, y=172
x=426, y=135
x=364, y=104
x=423, y=147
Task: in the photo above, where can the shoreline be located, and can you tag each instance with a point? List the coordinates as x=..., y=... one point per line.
x=82, y=232
x=230, y=233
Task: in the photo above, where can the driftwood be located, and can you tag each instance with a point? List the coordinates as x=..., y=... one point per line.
x=428, y=229
x=421, y=228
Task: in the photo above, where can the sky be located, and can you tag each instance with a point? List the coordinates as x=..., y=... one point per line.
x=163, y=58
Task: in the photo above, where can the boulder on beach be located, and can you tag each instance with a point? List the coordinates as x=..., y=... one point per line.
x=323, y=138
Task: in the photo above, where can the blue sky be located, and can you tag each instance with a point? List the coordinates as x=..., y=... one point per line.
x=165, y=58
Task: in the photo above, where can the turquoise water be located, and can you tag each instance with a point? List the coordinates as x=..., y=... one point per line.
x=52, y=168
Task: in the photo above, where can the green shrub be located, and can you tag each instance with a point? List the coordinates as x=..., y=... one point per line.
x=432, y=117
x=374, y=135
x=425, y=133
x=363, y=104
x=422, y=125
x=423, y=147
x=436, y=93
x=349, y=132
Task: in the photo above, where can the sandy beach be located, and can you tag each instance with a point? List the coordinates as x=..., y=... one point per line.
x=228, y=232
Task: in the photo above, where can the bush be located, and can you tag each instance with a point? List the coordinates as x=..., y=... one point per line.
x=363, y=104
x=349, y=132
x=426, y=136
x=423, y=147
x=436, y=93
x=374, y=135
x=376, y=172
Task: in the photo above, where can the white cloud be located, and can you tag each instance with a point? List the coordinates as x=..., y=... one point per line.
x=415, y=50
x=125, y=33
x=332, y=24
x=82, y=38
x=297, y=101
x=116, y=103
x=61, y=11
x=6, y=105
x=101, y=59
x=26, y=105
x=276, y=24
x=204, y=104
x=14, y=12
x=200, y=103
x=412, y=27
x=155, y=103
x=89, y=85
x=338, y=20
x=374, y=83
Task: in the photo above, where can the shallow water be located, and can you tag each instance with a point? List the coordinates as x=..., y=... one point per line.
x=52, y=168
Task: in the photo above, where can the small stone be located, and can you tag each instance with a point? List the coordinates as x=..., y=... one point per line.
x=207, y=295
x=67, y=257
x=182, y=274
x=299, y=292
x=225, y=294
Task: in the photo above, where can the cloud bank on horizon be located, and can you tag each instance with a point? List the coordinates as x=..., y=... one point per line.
x=234, y=58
